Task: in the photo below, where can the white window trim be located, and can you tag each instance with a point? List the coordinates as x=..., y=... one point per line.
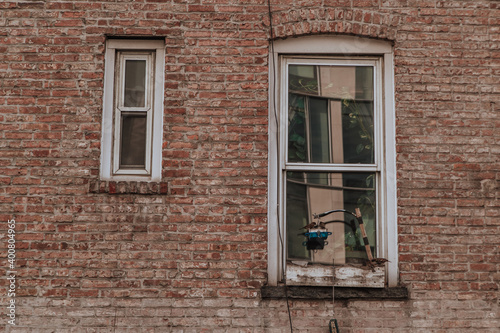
x=333, y=46
x=109, y=164
x=119, y=108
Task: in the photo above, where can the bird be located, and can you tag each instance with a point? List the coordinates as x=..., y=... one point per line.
x=322, y=225
x=311, y=225
x=379, y=261
x=375, y=262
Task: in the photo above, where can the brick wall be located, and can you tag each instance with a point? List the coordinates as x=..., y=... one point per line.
x=189, y=254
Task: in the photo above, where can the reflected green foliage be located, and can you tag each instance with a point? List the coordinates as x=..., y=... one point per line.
x=303, y=84
x=357, y=128
x=365, y=200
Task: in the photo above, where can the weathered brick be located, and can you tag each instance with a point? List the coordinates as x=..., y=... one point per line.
x=188, y=253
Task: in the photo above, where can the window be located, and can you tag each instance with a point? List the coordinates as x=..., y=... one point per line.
x=333, y=150
x=133, y=110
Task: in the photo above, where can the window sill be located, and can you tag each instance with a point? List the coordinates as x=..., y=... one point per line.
x=341, y=293
x=128, y=187
x=341, y=275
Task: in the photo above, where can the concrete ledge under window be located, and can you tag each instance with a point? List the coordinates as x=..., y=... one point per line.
x=341, y=293
x=128, y=187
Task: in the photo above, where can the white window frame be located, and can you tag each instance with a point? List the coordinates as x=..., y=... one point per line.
x=113, y=108
x=335, y=50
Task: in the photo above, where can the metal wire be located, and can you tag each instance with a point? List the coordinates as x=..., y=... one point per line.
x=271, y=41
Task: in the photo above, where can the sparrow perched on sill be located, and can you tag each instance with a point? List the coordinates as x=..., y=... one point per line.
x=311, y=225
x=375, y=262
x=379, y=261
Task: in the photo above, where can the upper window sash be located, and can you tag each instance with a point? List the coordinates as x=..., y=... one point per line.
x=376, y=63
x=124, y=70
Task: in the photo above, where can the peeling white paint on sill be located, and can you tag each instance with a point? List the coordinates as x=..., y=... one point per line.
x=297, y=274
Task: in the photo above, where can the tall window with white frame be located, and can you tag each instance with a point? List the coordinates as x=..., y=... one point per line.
x=334, y=149
x=133, y=110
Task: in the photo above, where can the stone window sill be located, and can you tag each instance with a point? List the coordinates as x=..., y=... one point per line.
x=341, y=293
x=128, y=187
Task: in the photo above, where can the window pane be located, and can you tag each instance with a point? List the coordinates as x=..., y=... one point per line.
x=303, y=78
x=135, y=83
x=337, y=191
x=296, y=211
x=359, y=192
x=364, y=83
x=357, y=132
x=319, y=132
x=133, y=141
x=297, y=148
x=338, y=125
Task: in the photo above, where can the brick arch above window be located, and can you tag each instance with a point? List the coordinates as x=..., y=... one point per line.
x=373, y=23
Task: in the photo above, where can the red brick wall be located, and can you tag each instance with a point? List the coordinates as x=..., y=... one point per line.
x=189, y=254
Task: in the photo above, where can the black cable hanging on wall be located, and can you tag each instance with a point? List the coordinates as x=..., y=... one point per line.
x=273, y=101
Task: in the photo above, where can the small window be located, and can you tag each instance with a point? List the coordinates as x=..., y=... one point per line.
x=133, y=110
x=334, y=151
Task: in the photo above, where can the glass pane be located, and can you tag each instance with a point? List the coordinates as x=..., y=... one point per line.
x=359, y=192
x=338, y=82
x=364, y=83
x=133, y=141
x=297, y=148
x=337, y=191
x=357, y=132
x=338, y=125
x=319, y=132
x=135, y=83
x=296, y=211
x=303, y=78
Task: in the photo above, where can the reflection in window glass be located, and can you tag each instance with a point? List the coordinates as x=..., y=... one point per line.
x=357, y=132
x=337, y=126
x=297, y=212
x=303, y=78
x=133, y=141
x=330, y=120
x=318, y=125
x=135, y=83
x=337, y=191
x=297, y=148
x=364, y=83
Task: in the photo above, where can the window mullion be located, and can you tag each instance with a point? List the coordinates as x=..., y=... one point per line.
x=331, y=167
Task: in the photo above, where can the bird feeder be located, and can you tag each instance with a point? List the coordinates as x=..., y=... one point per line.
x=317, y=235
x=316, y=240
